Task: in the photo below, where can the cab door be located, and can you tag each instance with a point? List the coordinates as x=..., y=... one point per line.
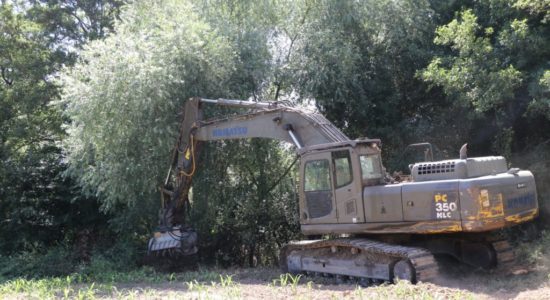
x=318, y=205
x=347, y=187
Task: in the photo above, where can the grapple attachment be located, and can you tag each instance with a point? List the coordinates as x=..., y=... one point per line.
x=173, y=242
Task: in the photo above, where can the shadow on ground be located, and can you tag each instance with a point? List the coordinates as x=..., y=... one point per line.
x=499, y=284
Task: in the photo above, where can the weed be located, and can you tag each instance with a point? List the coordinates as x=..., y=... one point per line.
x=86, y=294
x=535, y=252
x=201, y=275
x=359, y=292
x=234, y=292
x=226, y=281
x=294, y=280
x=284, y=280
x=131, y=295
x=288, y=280
x=190, y=285
x=55, y=262
x=196, y=286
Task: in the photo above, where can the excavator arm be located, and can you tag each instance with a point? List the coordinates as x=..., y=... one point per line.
x=272, y=120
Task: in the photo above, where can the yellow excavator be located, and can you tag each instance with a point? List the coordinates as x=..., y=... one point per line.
x=384, y=227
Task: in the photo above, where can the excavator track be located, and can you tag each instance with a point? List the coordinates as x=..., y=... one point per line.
x=505, y=255
x=359, y=258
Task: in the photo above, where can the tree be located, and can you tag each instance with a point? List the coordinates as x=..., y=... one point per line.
x=124, y=97
x=245, y=202
x=358, y=61
x=29, y=127
x=74, y=23
x=494, y=69
x=36, y=201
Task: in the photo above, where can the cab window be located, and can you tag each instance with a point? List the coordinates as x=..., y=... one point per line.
x=342, y=168
x=317, y=176
x=317, y=188
x=370, y=167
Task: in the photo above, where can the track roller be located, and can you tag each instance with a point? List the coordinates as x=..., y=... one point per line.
x=404, y=270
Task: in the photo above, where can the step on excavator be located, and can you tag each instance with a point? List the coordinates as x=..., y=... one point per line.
x=381, y=227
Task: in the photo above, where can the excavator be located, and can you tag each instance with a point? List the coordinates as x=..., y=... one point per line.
x=373, y=227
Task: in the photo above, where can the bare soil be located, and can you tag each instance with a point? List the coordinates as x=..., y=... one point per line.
x=455, y=282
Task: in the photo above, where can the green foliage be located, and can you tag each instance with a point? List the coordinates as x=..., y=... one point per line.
x=495, y=70
x=58, y=261
x=243, y=212
x=493, y=84
x=540, y=105
x=27, y=123
x=287, y=279
x=535, y=253
x=540, y=8
x=503, y=142
x=113, y=262
x=38, y=206
x=124, y=95
x=358, y=60
x=77, y=22
x=536, y=158
x=123, y=99
x=104, y=264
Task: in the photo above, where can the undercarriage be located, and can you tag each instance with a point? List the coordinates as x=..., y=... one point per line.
x=369, y=260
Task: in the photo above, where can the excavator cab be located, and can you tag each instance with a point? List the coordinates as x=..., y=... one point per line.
x=346, y=190
x=333, y=179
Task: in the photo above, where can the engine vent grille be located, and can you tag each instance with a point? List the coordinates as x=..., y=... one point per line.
x=435, y=168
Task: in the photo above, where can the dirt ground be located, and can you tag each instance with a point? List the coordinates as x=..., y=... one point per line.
x=455, y=282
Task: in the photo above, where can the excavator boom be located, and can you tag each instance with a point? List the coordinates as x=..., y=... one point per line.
x=272, y=120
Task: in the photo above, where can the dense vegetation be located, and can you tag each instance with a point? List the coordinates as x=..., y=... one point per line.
x=91, y=91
